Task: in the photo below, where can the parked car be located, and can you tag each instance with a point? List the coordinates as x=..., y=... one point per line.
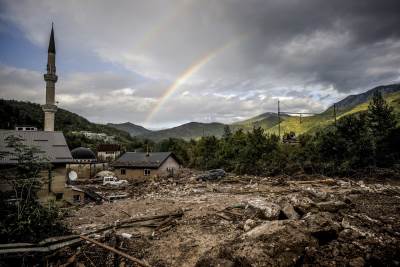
x=114, y=181
x=211, y=175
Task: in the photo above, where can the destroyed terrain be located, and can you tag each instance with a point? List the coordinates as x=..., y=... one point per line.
x=244, y=221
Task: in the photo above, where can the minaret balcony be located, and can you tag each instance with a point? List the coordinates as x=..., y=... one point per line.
x=50, y=77
x=49, y=108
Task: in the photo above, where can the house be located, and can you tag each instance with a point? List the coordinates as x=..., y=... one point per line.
x=95, y=136
x=54, y=149
x=142, y=165
x=108, y=152
x=84, y=163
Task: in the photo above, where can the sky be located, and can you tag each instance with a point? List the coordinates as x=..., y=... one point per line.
x=162, y=63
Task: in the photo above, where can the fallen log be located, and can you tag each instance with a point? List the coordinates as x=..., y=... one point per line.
x=224, y=216
x=119, y=224
x=126, y=256
x=126, y=213
x=44, y=246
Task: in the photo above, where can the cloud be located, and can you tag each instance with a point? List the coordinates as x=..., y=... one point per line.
x=313, y=52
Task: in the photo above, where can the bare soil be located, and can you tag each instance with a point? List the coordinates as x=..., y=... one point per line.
x=249, y=221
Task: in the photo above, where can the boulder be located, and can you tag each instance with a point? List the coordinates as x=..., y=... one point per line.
x=249, y=224
x=267, y=228
x=265, y=210
x=331, y=206
x=290, y=213
x=357, y=262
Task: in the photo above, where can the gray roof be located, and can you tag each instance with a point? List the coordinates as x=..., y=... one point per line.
x=142, y=160
x=53, y=145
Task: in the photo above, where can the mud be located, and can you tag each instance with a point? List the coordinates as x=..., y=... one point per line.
x=252, y=221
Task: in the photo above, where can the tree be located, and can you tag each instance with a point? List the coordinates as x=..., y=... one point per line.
x=206, y=153
x=178, y=146
x=227, y=132
x=23, y=218
x=382, y=123
x=381, y=118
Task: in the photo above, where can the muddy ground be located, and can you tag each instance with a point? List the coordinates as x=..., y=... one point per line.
x=249, y=221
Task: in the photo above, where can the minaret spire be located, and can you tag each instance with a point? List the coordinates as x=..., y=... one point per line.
x=52, y=46
x=50, y=77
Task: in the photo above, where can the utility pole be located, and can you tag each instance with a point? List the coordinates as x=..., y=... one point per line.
x=334, y=112
x=279, y=122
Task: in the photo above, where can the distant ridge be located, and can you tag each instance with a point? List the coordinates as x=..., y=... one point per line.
x=132, y=129
x=14, y=113
x=191, y=130
x=352, y=101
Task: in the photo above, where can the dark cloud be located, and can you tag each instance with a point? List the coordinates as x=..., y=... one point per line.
x=311, y=51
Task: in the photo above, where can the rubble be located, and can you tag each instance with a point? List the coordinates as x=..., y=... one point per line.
x=243, y=221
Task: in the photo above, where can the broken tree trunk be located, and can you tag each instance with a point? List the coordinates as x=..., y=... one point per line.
x=118, y=224
x=126, y=256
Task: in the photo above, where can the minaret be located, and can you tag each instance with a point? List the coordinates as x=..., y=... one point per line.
x=50, y=77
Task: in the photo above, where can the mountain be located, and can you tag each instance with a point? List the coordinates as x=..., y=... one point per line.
x=191, y=130
x=352, y=101
x=349, y=105
x=13, y=113
x=132, y=129
x=266, y=121
x=269, y=120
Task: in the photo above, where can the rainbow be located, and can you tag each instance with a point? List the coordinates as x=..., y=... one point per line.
x=150, y=37
x=187, y=74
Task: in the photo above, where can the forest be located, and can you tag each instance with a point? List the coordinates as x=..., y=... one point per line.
x=360, y=141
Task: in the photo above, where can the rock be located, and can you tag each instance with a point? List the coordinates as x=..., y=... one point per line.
x=301, y=204
x=331, y=206
x=321, y=195
x=322, y=227
x=249, y=224
x=290, y=213
x=126, y=235
x=266, y=210
x=357, y=262
x=266, y=228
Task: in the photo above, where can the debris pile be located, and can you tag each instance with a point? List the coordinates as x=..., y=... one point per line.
x=242, y=221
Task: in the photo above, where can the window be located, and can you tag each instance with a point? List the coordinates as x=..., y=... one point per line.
x=77, y=198
x=59, y=196
x=146, y=172
x=123, y=171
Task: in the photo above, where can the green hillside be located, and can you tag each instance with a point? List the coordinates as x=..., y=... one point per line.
x=191, y=130
x=132, y=129
x=13, y=113
x=265, y=121
x=324, y=119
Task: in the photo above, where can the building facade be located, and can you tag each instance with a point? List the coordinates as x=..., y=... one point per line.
x=52, y=149
x=108, y=152
x=139, y=166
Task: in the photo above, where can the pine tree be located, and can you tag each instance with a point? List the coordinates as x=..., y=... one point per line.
x=381, y=118
x=382, y=123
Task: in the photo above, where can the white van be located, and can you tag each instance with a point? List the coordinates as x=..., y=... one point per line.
x=111, y=180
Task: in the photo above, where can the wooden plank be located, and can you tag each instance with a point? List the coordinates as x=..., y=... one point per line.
x=129, y=257
x=40, y=249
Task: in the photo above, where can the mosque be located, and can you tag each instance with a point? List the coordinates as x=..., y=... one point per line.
x=57, y=183
x=51, y=143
